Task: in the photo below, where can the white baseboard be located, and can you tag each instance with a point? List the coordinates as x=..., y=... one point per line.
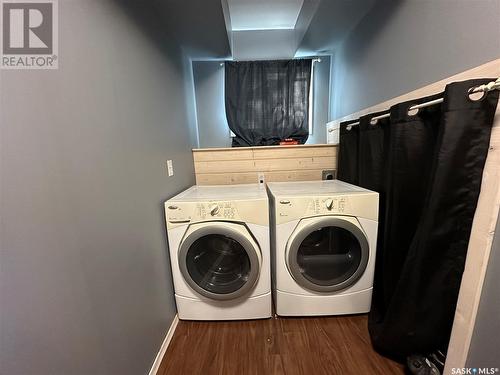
x=164, y=346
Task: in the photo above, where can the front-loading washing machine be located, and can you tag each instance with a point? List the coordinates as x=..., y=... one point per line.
x=220, y=253
x=324, y=236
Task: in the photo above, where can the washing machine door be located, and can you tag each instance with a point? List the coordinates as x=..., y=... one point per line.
x=220, y=260
x=327, y=253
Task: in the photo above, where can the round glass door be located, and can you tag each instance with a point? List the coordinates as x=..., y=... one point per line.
x=328, y=255
x=219, y=262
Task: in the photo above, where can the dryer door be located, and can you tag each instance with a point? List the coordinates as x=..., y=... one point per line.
x=327, y=253
x=220, y=260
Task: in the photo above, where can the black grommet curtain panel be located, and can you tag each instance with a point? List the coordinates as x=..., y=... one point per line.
x=427, y=167
x=348, y=153
x=267, y=101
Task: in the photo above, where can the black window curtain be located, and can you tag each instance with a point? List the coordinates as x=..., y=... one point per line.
x=427, y=168
x=267, y=101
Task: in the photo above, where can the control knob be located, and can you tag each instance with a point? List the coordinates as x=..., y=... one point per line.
x=214, y=210
x=329, y=204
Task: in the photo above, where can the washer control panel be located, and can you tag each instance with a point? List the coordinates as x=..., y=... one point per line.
x=182, y=212
x=219, y=210
x=254, y=211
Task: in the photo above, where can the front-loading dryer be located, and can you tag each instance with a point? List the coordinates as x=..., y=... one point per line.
x=323, y=245
x=220, y=253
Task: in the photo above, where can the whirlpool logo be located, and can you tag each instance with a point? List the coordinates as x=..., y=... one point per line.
x=29, y=34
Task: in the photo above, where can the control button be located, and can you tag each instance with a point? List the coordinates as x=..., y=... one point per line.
x=342, y=205
x=214, y=210
x=173, y=207
x=285, y=201
x=329, y=204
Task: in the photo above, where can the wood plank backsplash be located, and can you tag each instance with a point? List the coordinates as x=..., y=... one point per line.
x=227, y=166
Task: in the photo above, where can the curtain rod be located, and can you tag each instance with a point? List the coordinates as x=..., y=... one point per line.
x=315, y=59
x=493, y=85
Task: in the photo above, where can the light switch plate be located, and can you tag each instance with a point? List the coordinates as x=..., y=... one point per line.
x=170, y=168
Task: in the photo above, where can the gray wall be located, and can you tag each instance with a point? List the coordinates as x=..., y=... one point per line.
x=210, y=108
x=213, y=130
x=263, y=44
x=321, y=100
x=485, y=343
x=190, y=98
x=400, y=46
x=331, y=23
x=85, y=285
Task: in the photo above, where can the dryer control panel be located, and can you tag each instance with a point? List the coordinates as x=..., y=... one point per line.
x=328, y=205
x=313, y=206
x=293, y=208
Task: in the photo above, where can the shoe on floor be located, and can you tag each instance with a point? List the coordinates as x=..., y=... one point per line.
x=421, y=365
x=438, y=359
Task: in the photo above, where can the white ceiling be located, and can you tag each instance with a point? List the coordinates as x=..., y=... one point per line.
x=264, y=14
x=204, y=27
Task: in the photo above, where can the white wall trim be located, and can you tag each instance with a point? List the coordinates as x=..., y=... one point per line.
x=164, y=346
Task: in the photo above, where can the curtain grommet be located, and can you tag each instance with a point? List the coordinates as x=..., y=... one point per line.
x=412, y=111
x=475, y=96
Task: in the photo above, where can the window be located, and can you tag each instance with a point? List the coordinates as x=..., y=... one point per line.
x=268, y=101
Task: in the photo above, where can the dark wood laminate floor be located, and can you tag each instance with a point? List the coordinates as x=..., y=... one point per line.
x=288, y=346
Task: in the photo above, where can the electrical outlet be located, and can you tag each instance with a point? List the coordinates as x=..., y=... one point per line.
x=261, y=178
x=170, y=168
x=329, y=174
